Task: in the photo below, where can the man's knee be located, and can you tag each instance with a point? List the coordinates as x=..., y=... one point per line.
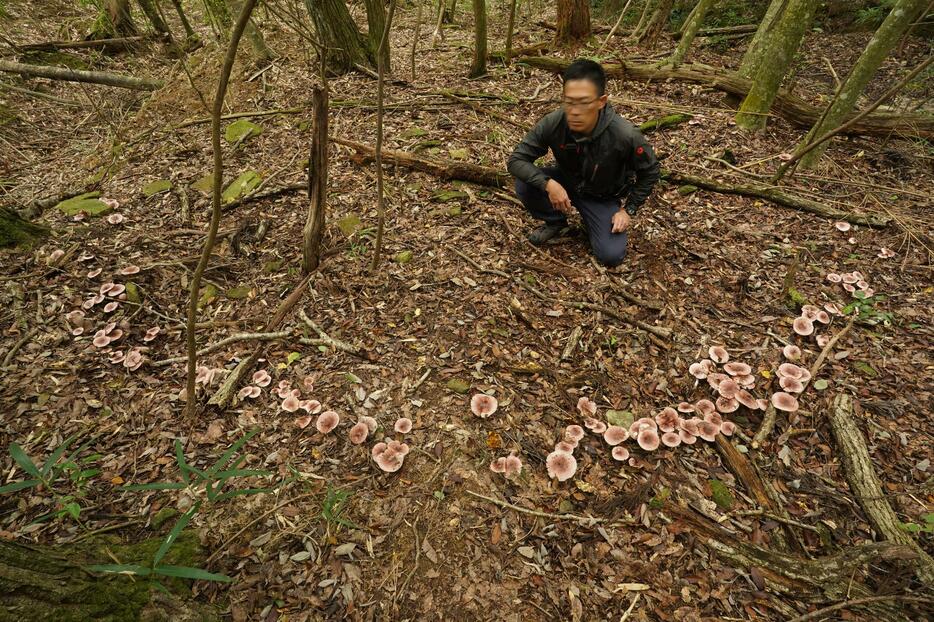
x=610, y=255
x=524, y=190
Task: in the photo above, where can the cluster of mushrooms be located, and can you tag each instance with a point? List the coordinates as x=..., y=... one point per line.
x=483, y=405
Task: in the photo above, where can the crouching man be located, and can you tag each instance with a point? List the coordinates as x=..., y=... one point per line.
x=605, y=168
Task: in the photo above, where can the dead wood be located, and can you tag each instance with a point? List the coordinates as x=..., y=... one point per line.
x=78, y=75
x=861, y=476
x=477, y=107
x=856, y=602
x=116, y=43
x=787, y=105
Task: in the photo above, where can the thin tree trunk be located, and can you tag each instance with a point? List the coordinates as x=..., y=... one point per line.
x=317, y=182
x=774, y=62
x=899, y=19
x=615, y=27
x=478, y=68
x=418, y=34
x=152, y=14
x=760, y=39
x=690, y=31
x=573, y=21
x=380, y=192
x=647, y=10
x=438, y=34
x=115, y=21
x=216, y=113
x=338, y=33
x=189, y=31
x=376, y=23
x=657, y=24
x=509, y=29
x=218, y=13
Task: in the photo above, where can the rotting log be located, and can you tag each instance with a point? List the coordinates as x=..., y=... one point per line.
x=15, y=231
x=820, y=580
x=78, y=75
x=865, y=484
x=488, y=176
x=119, y=42
x=660, y=123
x=787, y=105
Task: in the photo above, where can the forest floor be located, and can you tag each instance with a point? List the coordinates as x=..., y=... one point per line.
x=343, y=540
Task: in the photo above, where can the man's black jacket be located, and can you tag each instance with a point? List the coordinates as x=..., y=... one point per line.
x=613, y=162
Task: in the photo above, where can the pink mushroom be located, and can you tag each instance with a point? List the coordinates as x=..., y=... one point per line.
x=713, y=418
x=790, y=370
x=403, y=425
x=370, y=422
x=715, y=379
x=833, y=308
x=101, y=340
x=309, y=383
x=803, y=326
x=638, y=424
x=312, y=407
x=727, y=428
x=842, y=225
x=389, y=461
x=718, y=354
x=574, y=432
x=667, y=419
x=262, y=378
x=784, y=401
x=615, y=435
x=736, y=368
x=561, y=465
x=303, y=421
x=327, y=421
x=378, y=449
x=791, y=352
x=249, y=392
x=849, y=278
x=151, y=333
x=809, y=311
x=587, y=406
x=728, y=388
x=686, y=437
x=886, y=253
x=762, y=403
x=77, y=330
x=685, y=407
x=704, y=406
x=822, y=340
x=133, y=360
x=671, y=439
x=862, y=284
x=746, y=399
x=128, y=270
x=747, y=382
x=849, y=288
x=290, y=404
x=565, y=447
x=117, y=357
x=95, y=272
x=620, y=453
x=708, y=431
x=498, y=465
x=833, y=277
x=691, y=426
x=513, y=465
x=792, y=385
x=594, y=425
x=727, y=404
x=483, y=405
x=648, y=438
x=116, y=290
x=359, y=432
x=110, y=307
x=700, y=369
x=400, y=448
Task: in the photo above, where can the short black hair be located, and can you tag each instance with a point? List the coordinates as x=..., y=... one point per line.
x=586, y=69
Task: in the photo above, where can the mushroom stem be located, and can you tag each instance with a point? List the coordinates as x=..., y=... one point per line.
x=827, y=348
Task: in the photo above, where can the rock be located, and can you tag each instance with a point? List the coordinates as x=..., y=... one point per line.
x=157, y=187
x=87, y=203
x=241, y=130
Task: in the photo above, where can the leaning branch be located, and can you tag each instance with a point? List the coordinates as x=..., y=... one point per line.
x=78, y=75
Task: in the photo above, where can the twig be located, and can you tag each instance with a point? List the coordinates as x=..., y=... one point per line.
x=813, y=615
x=632, y=605
x=477, y=107
x=240, y=115
x=768, y=422
x=586, y=520
x=572, y=343
x=658, y=331
x=827, y=348
x=19, y=344
x=331, y=341
x=777, y=518
x=226, y=342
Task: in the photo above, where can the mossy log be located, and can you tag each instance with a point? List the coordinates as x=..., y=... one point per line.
x=787, y=105
x=43, y=583
x=78, y=75
x=15, y=231
x=661, y=123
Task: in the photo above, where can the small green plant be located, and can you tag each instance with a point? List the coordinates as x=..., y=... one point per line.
x=872, y=16
x=52, y=473
x=926, y=525
x=334, y=504
x=866, y=307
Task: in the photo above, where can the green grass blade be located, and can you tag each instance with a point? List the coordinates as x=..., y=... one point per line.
x=157, y=486
x=186, y=572
x=55, y=455
x=173, y=535
x=26, y=483
x=23, y=460
x=225, y=457
x=180, y=459
x=243, y=473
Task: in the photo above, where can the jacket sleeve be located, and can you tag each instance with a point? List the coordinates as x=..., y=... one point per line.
x=521, y=163
x=647, y=170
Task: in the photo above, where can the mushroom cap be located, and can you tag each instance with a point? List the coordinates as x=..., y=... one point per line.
x=312, y=407
x=378, y=449
x=561, y=465
x=833, y=277
x=862, y=284
x=513, y=465
x=727, y=404
x=389, y=461
x=667, y=419
x=686, y=437
x=784, y=401
x=685, y=407
x=803, y=326
x=728, y=388
x=106, y=287
x=718, y=354
x=587, y=406
x=858, y=274
x=822, y=340
x=594, y=425
x=691, y=426
x=648, y=439
x=133, y=359
x=370, y=422
x=715, y=379
x=615, y=434
x=565, y=447
x=290, y=404
x=704, y=406
x=714, y=418
x=262, y=378
x=498, y=465
x=483, y=405
x=823, y=317
x=671, y=439
x=747, y=382
x=834, y=308
x=101, y=341
x=746, y=399
x=736, y=368
x=399, y=448
x=842, y=225
x=698, y=370
x=790, y=370
x=116, y=290
x=708, y=431
x=327, y=421
x=791, y=352
x=245, y=393
x=117, y=357
x=128, y=270
x=308, y=382
x=886, y=253
x=403, y=425
x=792, y=385
x=849, y=278
x=111, y=306
x=762, y=403
x=727, y=428
x=574, y=432
x=77, y=330
x=849, y=288
x=620, y=453
x=809, y=311
x=358, y=433
x=636, y=426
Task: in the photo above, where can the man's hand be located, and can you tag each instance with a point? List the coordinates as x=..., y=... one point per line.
x=620, y=221
x=558, y=197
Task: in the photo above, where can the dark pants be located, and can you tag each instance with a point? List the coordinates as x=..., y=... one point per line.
x=609, y=248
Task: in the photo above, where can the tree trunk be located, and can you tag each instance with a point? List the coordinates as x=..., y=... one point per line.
x=657, y=24
x=899, y=19
x=261, y=52
x=79, y=75
x=573, y=21
x=218, y=15
x=152, y=14
x=647, y=9
x=39, y=583
x=376, y=22
x=189, y=31
x=690, y=31
x=751, y=57
x=509, y=29
x=776, y=58
x=337, y=31
x=114, y=21
x=478, y=68
x=15, y=231
x=317, y=182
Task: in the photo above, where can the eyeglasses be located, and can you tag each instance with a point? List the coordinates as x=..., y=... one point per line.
x=568, y=104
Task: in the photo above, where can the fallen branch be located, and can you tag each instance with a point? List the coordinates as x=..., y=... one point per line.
x=584, y=520
x=820, y=613
x=768, y=422
x=214, y=347
x=477, y=107
x=337, y=344
x=572, y=343
x=787, y=105
x=865, y=484
x=827, y=348
x=78, y=75
x=661, y=123
x=658, y=331
x=118, y=42
x=240, y=115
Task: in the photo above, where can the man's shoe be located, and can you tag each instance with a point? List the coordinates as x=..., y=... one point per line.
x=545, y=232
